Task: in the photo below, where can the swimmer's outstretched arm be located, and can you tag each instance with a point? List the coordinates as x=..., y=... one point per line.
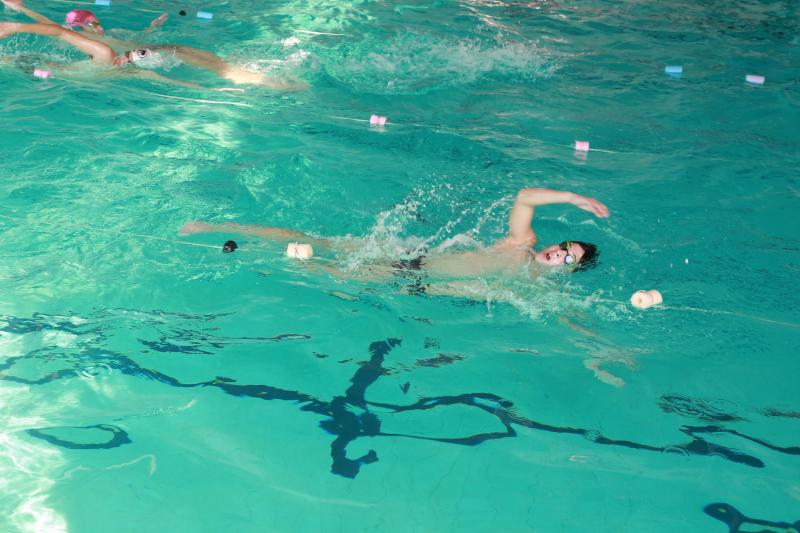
x=520, y=232
x=276, y=234
x=18, y=5
x=99, y=52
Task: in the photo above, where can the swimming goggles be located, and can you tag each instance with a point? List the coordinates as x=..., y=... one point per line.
x=140, y=53
x=569, y=258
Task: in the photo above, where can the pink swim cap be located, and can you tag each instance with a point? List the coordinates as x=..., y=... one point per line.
x=81, y=18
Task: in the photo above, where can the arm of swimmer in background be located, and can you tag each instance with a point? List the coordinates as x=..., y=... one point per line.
x=99, y=52
x=276, y=234
x=156, y=23
x=520, y=232
x=121, y=44
x=18, y=5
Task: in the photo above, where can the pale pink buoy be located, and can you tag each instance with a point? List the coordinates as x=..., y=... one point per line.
x=645, y=299
x=582, y=146
x=755, y=79
x=295, y=250
x=377, y=120
x=40, y=73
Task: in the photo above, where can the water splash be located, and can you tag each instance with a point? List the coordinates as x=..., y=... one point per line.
x=414, y=63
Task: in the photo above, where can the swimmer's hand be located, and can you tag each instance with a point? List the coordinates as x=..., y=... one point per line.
x=590, y=204
x=157, y=23
x=15, y=5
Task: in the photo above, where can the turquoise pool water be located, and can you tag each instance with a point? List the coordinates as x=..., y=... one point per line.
x=149, y=384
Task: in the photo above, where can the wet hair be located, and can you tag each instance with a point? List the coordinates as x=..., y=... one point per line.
x=591, y=255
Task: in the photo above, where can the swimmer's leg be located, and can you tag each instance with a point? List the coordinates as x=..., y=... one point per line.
x=276, y=234
x=367, y=273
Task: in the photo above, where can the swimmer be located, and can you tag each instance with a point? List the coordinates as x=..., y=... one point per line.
x=160, y=54
x=79, y=18
x=100, y=53
x=515, y=250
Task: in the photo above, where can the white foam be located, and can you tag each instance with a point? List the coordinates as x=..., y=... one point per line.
x=415, y=63
x=163, y=59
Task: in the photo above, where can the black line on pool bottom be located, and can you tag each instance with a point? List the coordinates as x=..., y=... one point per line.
x=735, y=520
x=348, y=417
x=704, y=410
x=118, y=437
x=192, y=341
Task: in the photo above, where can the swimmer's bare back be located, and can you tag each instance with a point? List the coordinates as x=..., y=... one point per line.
x=198, y=58
x=481, y=262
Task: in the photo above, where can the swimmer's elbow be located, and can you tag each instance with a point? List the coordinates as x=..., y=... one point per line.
x=534, y=196
x=530, y=192
x=530, y=195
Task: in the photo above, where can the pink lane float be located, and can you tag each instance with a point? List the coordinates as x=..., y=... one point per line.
x=377, y=120
x=755, y=79
x=582, y=146
x=295, y=250
x=645, y=299
x=44, y=74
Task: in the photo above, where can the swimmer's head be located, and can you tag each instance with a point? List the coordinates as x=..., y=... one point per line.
x=577, y=255
x=133, y=57
x=147, y=58
x=83, y=18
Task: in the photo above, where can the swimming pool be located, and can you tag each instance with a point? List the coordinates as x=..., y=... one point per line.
x=151, y=384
